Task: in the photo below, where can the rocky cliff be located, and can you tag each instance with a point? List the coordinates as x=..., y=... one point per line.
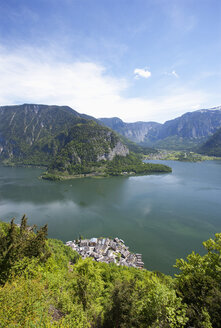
x=198, y=124
x=184, y=132
x=135, y=132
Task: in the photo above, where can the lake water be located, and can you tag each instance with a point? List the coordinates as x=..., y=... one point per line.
x=164, y=217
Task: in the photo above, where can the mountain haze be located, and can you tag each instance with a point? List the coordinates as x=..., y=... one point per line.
x=136, y=131
x=184, y=132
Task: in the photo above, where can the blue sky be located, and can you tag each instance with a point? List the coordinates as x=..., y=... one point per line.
x=135, y=59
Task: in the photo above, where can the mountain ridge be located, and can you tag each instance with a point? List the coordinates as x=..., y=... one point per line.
x=135, y=131
x=184, y=132
x=29, y=129
x=66, y=142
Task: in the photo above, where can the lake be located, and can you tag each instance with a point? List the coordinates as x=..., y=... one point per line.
x=163, y=216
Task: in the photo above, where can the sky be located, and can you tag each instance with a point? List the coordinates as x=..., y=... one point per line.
x=140, y=60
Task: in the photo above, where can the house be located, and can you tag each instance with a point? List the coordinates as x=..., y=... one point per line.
x=107, y=241
x=104, y=249
x=93, y=242
x=84, y=242
x=110, y=253
x=113, y=245
x=125, y=253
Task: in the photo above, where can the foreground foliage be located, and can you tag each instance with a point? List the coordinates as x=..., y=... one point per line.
x=46, y=284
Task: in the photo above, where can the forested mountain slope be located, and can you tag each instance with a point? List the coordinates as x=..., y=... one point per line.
x=67, y=142
x=212, y=146
x=35, y=134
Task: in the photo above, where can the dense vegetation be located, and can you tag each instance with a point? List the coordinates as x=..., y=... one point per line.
x=176, y=143
x=119, y=165
x=213, y=146
x=66, y=142
x=46, y=284
x=131, y=164
x=182, y=156
x=36, y=134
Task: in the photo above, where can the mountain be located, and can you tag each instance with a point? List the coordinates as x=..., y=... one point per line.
x=212, y=146
x=184, y=132
x=35, y=134
x=67, y=142
x=136, y=131
x=187, y=130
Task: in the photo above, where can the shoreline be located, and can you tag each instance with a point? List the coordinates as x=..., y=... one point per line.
x=37, y=166
x=55, y=177
x=180, y=156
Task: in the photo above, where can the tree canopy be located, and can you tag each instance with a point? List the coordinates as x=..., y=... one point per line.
x=46, y=284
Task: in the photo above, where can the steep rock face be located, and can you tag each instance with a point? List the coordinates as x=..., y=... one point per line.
x=37, y=134
x=196, y=125
x=135, y=132
x=118, y=150
x=184, y=132
x=213, y=145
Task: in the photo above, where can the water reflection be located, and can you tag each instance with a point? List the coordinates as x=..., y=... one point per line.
x=161, y=216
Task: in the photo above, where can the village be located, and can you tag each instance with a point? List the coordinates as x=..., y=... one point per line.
x=107, y=250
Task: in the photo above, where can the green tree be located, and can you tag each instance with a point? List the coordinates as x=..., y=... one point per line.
x=199, y=285
x=122, y=308
x=17, y=244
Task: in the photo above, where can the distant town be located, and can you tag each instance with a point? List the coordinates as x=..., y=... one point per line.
x=107, y=250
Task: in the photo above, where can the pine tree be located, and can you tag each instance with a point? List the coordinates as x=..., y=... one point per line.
x=17, y=244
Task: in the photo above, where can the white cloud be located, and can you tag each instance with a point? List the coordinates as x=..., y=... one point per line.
x=174, y=73
x=38, y=77
x=142, y=72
